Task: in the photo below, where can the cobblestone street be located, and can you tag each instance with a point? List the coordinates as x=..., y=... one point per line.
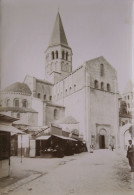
x=100, y=173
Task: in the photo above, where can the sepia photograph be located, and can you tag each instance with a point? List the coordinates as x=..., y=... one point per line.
x=67, y=97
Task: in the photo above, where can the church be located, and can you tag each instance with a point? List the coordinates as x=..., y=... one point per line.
x=89, y=94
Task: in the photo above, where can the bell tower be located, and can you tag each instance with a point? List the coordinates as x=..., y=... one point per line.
x=58, y=54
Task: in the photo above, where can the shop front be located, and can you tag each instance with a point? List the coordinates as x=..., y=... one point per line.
x=6, y=129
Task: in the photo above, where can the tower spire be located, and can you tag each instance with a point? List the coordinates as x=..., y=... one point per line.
x=58, y=54
x=58, y=36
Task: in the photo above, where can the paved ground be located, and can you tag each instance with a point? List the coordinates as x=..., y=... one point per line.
x=102, y=173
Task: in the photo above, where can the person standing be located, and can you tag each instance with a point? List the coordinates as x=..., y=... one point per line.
x=112, y=146
x=130, y=155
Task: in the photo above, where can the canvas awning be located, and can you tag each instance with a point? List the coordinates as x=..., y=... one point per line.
x=11, y=129
x=63, y=137
x=43, y=137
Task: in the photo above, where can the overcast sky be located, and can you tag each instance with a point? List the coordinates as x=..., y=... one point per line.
x=93, y=28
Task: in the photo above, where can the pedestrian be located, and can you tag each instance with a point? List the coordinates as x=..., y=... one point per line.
x=112, y=146
x=91, y=149
x=130, y=155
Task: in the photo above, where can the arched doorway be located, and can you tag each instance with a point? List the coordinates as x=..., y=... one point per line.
x=102, y=138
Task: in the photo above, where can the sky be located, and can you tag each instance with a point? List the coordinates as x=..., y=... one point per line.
x=93, y=28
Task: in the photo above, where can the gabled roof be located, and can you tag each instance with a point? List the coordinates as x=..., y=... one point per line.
x=100, y=59
x=18, y=88
x=58, y=36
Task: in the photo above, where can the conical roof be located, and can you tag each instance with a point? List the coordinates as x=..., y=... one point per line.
x=58, y=36
x=18, y=88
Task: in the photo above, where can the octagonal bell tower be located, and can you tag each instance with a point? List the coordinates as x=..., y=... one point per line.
x=58, y=54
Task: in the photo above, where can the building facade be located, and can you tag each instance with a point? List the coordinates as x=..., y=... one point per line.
x=89, y=93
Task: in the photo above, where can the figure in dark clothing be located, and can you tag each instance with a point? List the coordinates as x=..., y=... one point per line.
x=130, y=155
x=112, y=146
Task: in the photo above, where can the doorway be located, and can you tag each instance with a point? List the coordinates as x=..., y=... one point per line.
x=102, y=141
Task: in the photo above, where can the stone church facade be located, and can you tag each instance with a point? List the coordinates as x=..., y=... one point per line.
x=89, y=93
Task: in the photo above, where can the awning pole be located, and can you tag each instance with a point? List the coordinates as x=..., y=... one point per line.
x=21, y=148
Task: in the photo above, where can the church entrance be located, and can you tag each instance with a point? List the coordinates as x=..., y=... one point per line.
x=102, y=141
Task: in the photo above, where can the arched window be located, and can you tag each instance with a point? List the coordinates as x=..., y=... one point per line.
x=74, y=87
x=16, y=103
x=102, y=86
x=24, y=103
x=45, y=97
x=128, y=105
x=56, y=54
x=38, y=95
x=52, y=55
x=70, y=89
x=108, y=87
x=66, y=91
x=66, y=55
x=50, y=98
x=8, y=103
x=96, y=84
x=55, y=114
x=102, y=70
x=63, y=53
x=128, y=97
